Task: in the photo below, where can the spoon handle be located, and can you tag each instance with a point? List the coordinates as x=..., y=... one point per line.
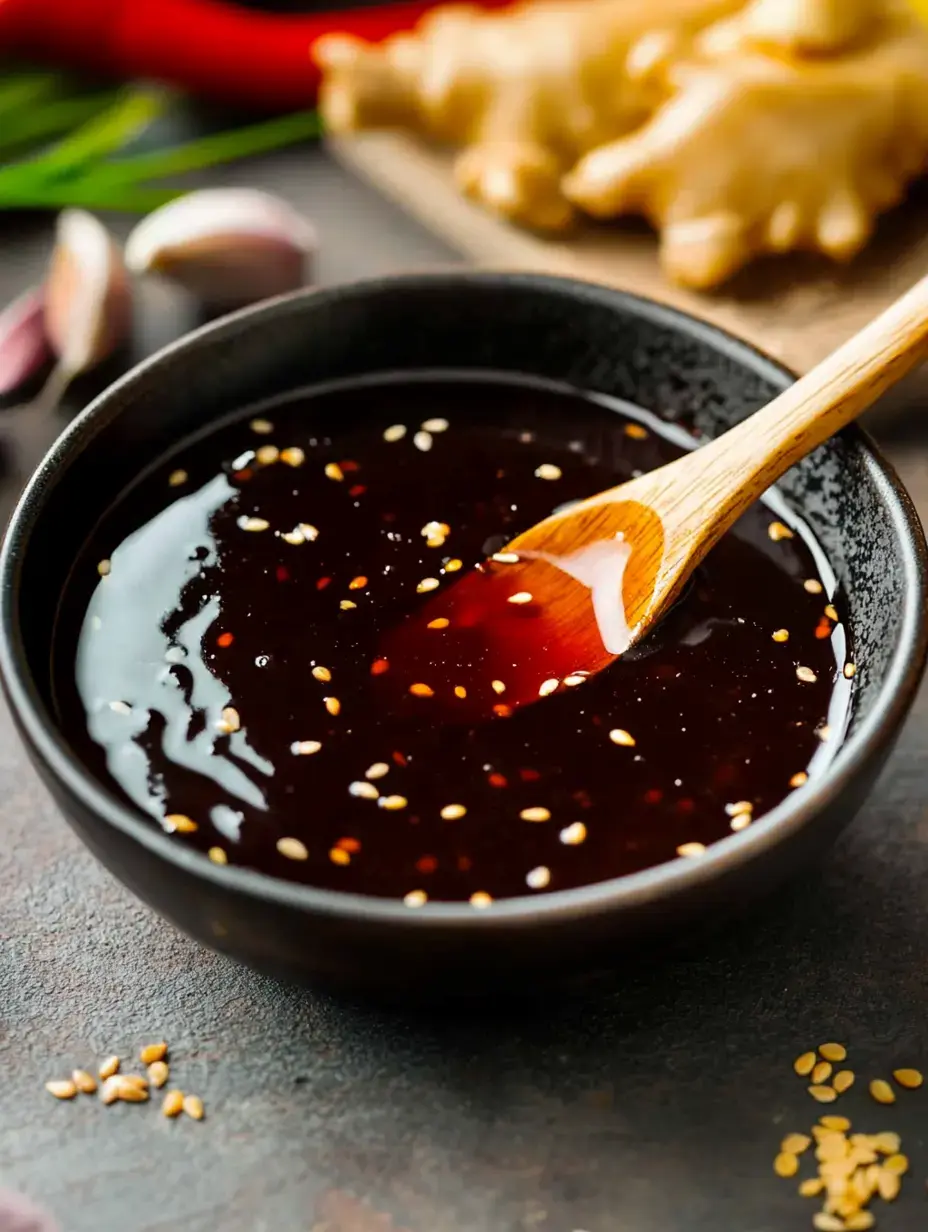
x=742, y=463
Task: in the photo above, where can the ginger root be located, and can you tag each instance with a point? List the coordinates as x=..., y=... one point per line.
x=736, y=128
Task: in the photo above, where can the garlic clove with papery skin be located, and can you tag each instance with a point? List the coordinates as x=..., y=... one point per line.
x=228, y=246
x=88, y=302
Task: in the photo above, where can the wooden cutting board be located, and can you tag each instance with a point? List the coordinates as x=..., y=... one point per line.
x=797, y=309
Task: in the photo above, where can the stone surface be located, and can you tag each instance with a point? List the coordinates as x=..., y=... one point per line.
x=655, y=1107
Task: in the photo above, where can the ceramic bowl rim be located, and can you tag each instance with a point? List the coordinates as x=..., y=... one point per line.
x=635, y=890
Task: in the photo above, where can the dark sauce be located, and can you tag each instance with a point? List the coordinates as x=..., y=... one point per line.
x=223, y=674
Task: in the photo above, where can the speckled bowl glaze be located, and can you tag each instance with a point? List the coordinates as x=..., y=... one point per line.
x=595, y=339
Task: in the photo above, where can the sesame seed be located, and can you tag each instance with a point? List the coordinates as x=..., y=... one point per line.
x=823, y=1222
x=889, y=1185
x=252, y=524
x=179, y=823
x=435, y=425
x=822, y=1072
x=322, y=673
x=849, y=670
x=421, y=690
x=739, y=807
x=440, y=622
x=636, y=431
x=229, y=720
x=780, y=635
x=813, y=586
x=393, y=802
x=423, y=441
x=497, y=686
x=838, y=1123
x=833, y=1052
x=453, y=565
x=305, y=748
x=338, y=855
x=806, y=674
x=293, y=537
x=506, y=558
x=548, y=470
x=805, y=1064
x=547, y=687
x=795, y=1144
x=334, y=471
x=109, y=1067
x=812, y=1187
x=911, y=1079
x=823, y=733
x=267, y=455
x=824, y=1095
x=843, y=1080
x=573, y=835
x=435, y=530
x=193, y=1107
x=538, y=878
x=535, y=814
x=786, y=1164
x=882, y=1092
x=333, y=705
x=293, y=456
x=831, y=612
x=799, y=779
x=619, y=736
x=153, y=1052
x=363, y=789
x=62, y=1088
x=104, y=567
x=740, y=821
x=427, y=584
x=415, y=898
x=173, y=1104
x=460, y=691
x=691, y=850
x=377, y=770
x=777, y=531
x=395, y=432
x=176, y=478
x=292, y=848
x=217, y=855
x=521, y=596
x=346, y=605
x=158, y=1073
x=263, y=427
x=85, y=1082
x=573, y=680
x=451, y=812
x=480, y=899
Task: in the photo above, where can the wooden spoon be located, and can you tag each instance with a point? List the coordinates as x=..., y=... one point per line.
x=567, y=596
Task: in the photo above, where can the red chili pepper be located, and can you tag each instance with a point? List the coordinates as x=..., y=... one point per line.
x=208, y=47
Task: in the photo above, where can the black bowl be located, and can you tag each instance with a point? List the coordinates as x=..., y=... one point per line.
x=594, y=339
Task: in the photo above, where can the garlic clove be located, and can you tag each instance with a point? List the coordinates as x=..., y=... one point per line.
x=24, y=348
x=228, y=246
x=87, y=296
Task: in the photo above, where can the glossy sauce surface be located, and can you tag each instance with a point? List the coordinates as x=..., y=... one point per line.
x=218, y=656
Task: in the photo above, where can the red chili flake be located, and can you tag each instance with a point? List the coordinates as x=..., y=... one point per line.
x=465, y=864
x=241, y=476
x=503, y=711
x=583, y=798
x=497, y=780
x=349, y=844
x=283, y=573
x=400, y=759
x=224, y=639
x=358, y=490
x=823, y=628
x=349, y=466
x=388, y=517
x=686, y=805
x=379, y=666
x=322, y=583
x=653, y=795
x=529, y=776
x=500, y=474
x=426, y=864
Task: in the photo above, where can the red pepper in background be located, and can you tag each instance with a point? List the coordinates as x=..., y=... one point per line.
x=210, y=48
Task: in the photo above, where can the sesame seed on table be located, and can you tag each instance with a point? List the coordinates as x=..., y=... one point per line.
x=655, y=1100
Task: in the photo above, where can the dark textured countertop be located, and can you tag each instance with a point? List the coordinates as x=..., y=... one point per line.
x=655, y=1107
